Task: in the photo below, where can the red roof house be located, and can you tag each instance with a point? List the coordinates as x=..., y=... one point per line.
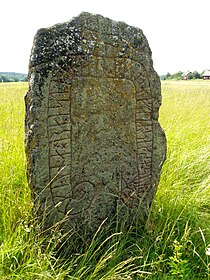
x=206, y=75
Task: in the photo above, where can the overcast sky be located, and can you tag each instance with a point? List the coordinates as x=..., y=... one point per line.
x=178, y=31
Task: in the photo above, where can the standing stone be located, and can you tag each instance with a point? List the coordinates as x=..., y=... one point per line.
x=94, y=146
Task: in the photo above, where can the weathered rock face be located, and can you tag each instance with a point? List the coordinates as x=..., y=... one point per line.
x=94, y=146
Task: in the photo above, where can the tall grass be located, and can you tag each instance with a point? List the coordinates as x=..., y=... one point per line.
x=175, y=242
x=14, y=194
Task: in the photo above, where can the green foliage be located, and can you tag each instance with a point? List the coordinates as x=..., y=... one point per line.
x=178, y=76
x=12, y=77
x=178, y=265
x=175, y=76
x=195, y=75
x=175, y=242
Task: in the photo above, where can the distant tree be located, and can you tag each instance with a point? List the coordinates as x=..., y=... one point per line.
x=178, y=75
x=4, y=78
x=190, y=76
x=24, y=79
x=196, y=75
x=175, y=76
x=167, y=76
x=12, y=77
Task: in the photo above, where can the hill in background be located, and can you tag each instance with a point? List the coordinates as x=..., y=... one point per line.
x=13, y=77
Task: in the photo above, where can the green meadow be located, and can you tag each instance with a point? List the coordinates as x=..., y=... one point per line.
x=174, y=244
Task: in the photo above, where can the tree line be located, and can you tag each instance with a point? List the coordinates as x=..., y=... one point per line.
x=13, y=77
x=18, y=77
x=179, y=75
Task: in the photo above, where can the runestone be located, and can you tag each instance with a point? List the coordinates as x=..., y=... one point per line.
x=94, y=146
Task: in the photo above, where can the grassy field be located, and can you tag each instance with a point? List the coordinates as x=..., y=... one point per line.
x=175, y=244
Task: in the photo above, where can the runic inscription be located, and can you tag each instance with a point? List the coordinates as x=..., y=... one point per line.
x=93, y=142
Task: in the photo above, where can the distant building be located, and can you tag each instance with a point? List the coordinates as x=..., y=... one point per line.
x=185, y=76
x=206, y=75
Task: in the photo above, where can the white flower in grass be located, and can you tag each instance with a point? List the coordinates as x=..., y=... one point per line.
x=208, y=250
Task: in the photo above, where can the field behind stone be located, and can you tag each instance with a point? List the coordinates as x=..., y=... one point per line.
x=175, y=243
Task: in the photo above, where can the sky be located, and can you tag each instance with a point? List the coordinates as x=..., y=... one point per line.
x=178, y=31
